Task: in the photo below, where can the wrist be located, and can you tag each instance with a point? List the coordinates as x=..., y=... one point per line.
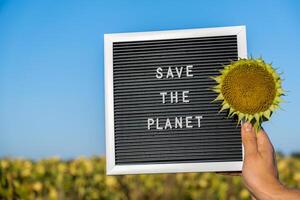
x=272, y=190
x=277, y=192
x=287, y=193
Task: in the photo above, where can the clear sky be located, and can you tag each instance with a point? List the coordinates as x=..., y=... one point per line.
x=51, y=64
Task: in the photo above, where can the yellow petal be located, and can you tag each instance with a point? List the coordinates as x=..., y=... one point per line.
x=267, y=114
x=225, y=106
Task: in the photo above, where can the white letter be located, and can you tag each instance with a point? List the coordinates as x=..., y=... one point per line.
x=187, y=121
x=157, y=125
x=150, y=122
x=178, y=123
x=188, y=70
x=163, y=94
x=185, y=95
x=158, y=73
x=174, y=97
x=199, y=119
x=179, y=72
x=168, y=124
x=170, y=73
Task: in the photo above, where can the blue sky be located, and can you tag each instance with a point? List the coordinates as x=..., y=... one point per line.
x=51, y=65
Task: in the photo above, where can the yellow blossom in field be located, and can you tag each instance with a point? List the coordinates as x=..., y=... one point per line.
x=4, y=164
x=179, y=177
x=281, y=165
x=244, y=194
x=40, y=169
x=203, y=183
x=88, y=166
x=297, y=176
x=61, y=167
x=73, y=169
x=98, y=178
x=53, y=194
x=37, y=186
x=26, y=169
x=110, y=181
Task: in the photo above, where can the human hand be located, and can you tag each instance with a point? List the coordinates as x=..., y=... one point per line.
x=259, y=171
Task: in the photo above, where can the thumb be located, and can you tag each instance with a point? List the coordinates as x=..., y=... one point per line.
x=249, y=139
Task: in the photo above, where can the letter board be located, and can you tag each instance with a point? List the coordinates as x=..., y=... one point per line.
x=158, y=101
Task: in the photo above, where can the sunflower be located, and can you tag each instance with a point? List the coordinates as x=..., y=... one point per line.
x=250, y=89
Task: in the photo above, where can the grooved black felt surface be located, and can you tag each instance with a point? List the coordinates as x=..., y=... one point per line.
x=137, y=98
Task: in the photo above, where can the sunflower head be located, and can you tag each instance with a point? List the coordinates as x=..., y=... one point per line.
x=250, y=89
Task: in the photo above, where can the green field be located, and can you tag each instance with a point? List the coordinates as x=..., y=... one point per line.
x=84, y=178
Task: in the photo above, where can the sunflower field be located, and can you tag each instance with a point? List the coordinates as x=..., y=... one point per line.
x=84, y=178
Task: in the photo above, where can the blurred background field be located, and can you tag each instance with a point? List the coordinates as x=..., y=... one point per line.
x=84, y=178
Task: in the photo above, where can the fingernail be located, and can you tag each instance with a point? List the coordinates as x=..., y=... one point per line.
x=248, y=127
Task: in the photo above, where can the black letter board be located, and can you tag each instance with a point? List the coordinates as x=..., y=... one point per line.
x=158, y=101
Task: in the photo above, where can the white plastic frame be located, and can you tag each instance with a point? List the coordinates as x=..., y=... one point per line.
x=111, y=167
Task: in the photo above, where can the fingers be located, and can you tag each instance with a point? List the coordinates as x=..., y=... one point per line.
x=249, y=139
x=264, y=144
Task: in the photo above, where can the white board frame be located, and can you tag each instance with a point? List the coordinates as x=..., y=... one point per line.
x=111, y=167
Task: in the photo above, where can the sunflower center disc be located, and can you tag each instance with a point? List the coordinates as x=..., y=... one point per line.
x=249, y=89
